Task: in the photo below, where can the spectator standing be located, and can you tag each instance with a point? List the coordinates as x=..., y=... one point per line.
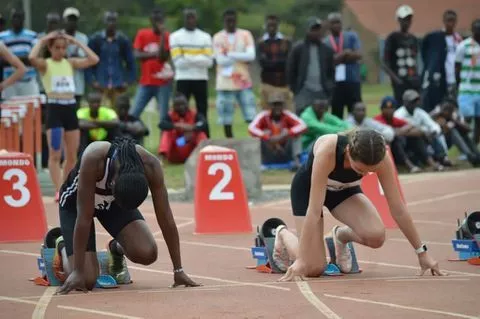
x=97, y=122
x=432, y=132
x=400, y=55
x=2, y=28
x=320, y=122
x=234, y=50
x=152, y=48
x=467, y=70
x=272, y=53
x=182, y=130
x=58, y=80
x=116, y=69
x=70, y=17
x=279, y=131
x=310, y=68
x=20, y=42
x=16, y=63
x=129, y=125
x=438, y=55
x=456, y=130
x=191, y=50
x=346, y=45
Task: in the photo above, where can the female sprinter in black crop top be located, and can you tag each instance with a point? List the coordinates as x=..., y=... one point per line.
x=109, y=182
x=331, y=178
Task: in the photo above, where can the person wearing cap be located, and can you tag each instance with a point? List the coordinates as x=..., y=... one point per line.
x=438, y=56
x=400, y=55
x=152, y=48
x=192, y=56
x=71, y=17
x=279, y=131
x=346, y=45
x=467, y=70
x=234, y=51
x=320, y=122
x=19, y=41
x=116, y=69
x=272, y=53
x=182, y=130
x=431, y=131
x=311, y=68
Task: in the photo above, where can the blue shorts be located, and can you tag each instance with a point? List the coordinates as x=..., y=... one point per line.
x=226, y=105
x=469, y=105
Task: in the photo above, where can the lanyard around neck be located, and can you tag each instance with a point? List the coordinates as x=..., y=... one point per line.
x=339, y=48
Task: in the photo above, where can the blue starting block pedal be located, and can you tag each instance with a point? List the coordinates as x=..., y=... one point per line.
x=45, y=265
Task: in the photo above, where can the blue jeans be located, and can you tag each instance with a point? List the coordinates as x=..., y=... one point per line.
x=146, y=92
x=226, y=105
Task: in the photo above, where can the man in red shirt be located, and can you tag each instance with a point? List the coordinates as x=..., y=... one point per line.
x=182, y=130
x=152, y=48
x=408, y=139
x=279, y=131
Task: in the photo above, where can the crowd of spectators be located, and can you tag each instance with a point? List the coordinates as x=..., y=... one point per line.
x=305, y=86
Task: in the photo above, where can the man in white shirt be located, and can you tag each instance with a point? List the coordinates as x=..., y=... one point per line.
x=191, y=51
x=413, y=114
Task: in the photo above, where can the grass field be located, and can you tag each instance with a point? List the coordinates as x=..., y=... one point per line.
x=371, y=94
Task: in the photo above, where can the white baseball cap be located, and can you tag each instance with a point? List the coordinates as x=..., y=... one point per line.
x=404, y=11
x=71, y=12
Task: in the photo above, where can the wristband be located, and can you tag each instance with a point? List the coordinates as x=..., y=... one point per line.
x=422, y=249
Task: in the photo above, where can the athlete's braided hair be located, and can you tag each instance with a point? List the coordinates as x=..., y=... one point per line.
x=131, y=185
x=366, y=146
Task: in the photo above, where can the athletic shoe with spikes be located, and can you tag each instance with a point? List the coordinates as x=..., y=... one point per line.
x=57, y=263
x=117, y=267
x=342, y=253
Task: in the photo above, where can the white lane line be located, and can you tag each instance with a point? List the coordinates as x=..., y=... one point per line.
x=416, y=268
x=403, y=240
x=16, y=252
x=304, y=288
x=98, y=312
x=5, y=298
x=211, y=278
x=42, y=305
x=439, y=198
x=392, y=305
x=431, y=279
x=433, y=222
x=198, y=243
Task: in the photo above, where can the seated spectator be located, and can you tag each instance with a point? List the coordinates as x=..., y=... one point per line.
x=359, y=118
x=456, y=130
x=432, y=133
x=129, y=126
x=320, y=122
x=182, y=130
x=97, y=123
x=408, y=139
x=279, y=131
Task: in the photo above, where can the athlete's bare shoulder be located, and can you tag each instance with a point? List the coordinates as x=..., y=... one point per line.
x=93, y=158
x=325, y=145
x=153, y=167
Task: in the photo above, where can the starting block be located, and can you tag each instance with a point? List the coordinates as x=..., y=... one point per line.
x=45, y=265
x=467, y=242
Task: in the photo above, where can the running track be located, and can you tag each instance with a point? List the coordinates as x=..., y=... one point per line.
x=387, y=288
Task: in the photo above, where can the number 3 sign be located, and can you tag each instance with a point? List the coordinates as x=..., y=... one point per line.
x=221, y=204
x=22, y=215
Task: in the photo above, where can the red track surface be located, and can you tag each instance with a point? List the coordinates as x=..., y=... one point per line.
x=387, y=288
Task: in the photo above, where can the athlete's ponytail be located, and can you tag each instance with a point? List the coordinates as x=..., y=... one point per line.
x=366, y=146
x=131, y=185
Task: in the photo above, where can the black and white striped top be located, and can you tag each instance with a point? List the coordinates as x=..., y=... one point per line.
x=103, y=189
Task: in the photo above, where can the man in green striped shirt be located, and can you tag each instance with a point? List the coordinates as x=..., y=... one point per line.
x=468, y=76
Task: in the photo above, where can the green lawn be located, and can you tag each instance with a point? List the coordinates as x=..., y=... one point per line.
x=371, y=94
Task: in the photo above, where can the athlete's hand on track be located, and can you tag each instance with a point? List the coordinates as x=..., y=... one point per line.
x=76, y=281
x=428, y=263
x=297, y=269
x=182, y=279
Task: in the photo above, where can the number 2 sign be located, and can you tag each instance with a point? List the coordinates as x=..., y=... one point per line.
x=221, y=204
x=22, y=214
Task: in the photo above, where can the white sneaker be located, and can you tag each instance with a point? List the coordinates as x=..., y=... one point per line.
x=342, y=253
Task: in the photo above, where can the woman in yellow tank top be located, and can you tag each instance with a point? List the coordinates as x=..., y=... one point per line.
x=61, y=118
